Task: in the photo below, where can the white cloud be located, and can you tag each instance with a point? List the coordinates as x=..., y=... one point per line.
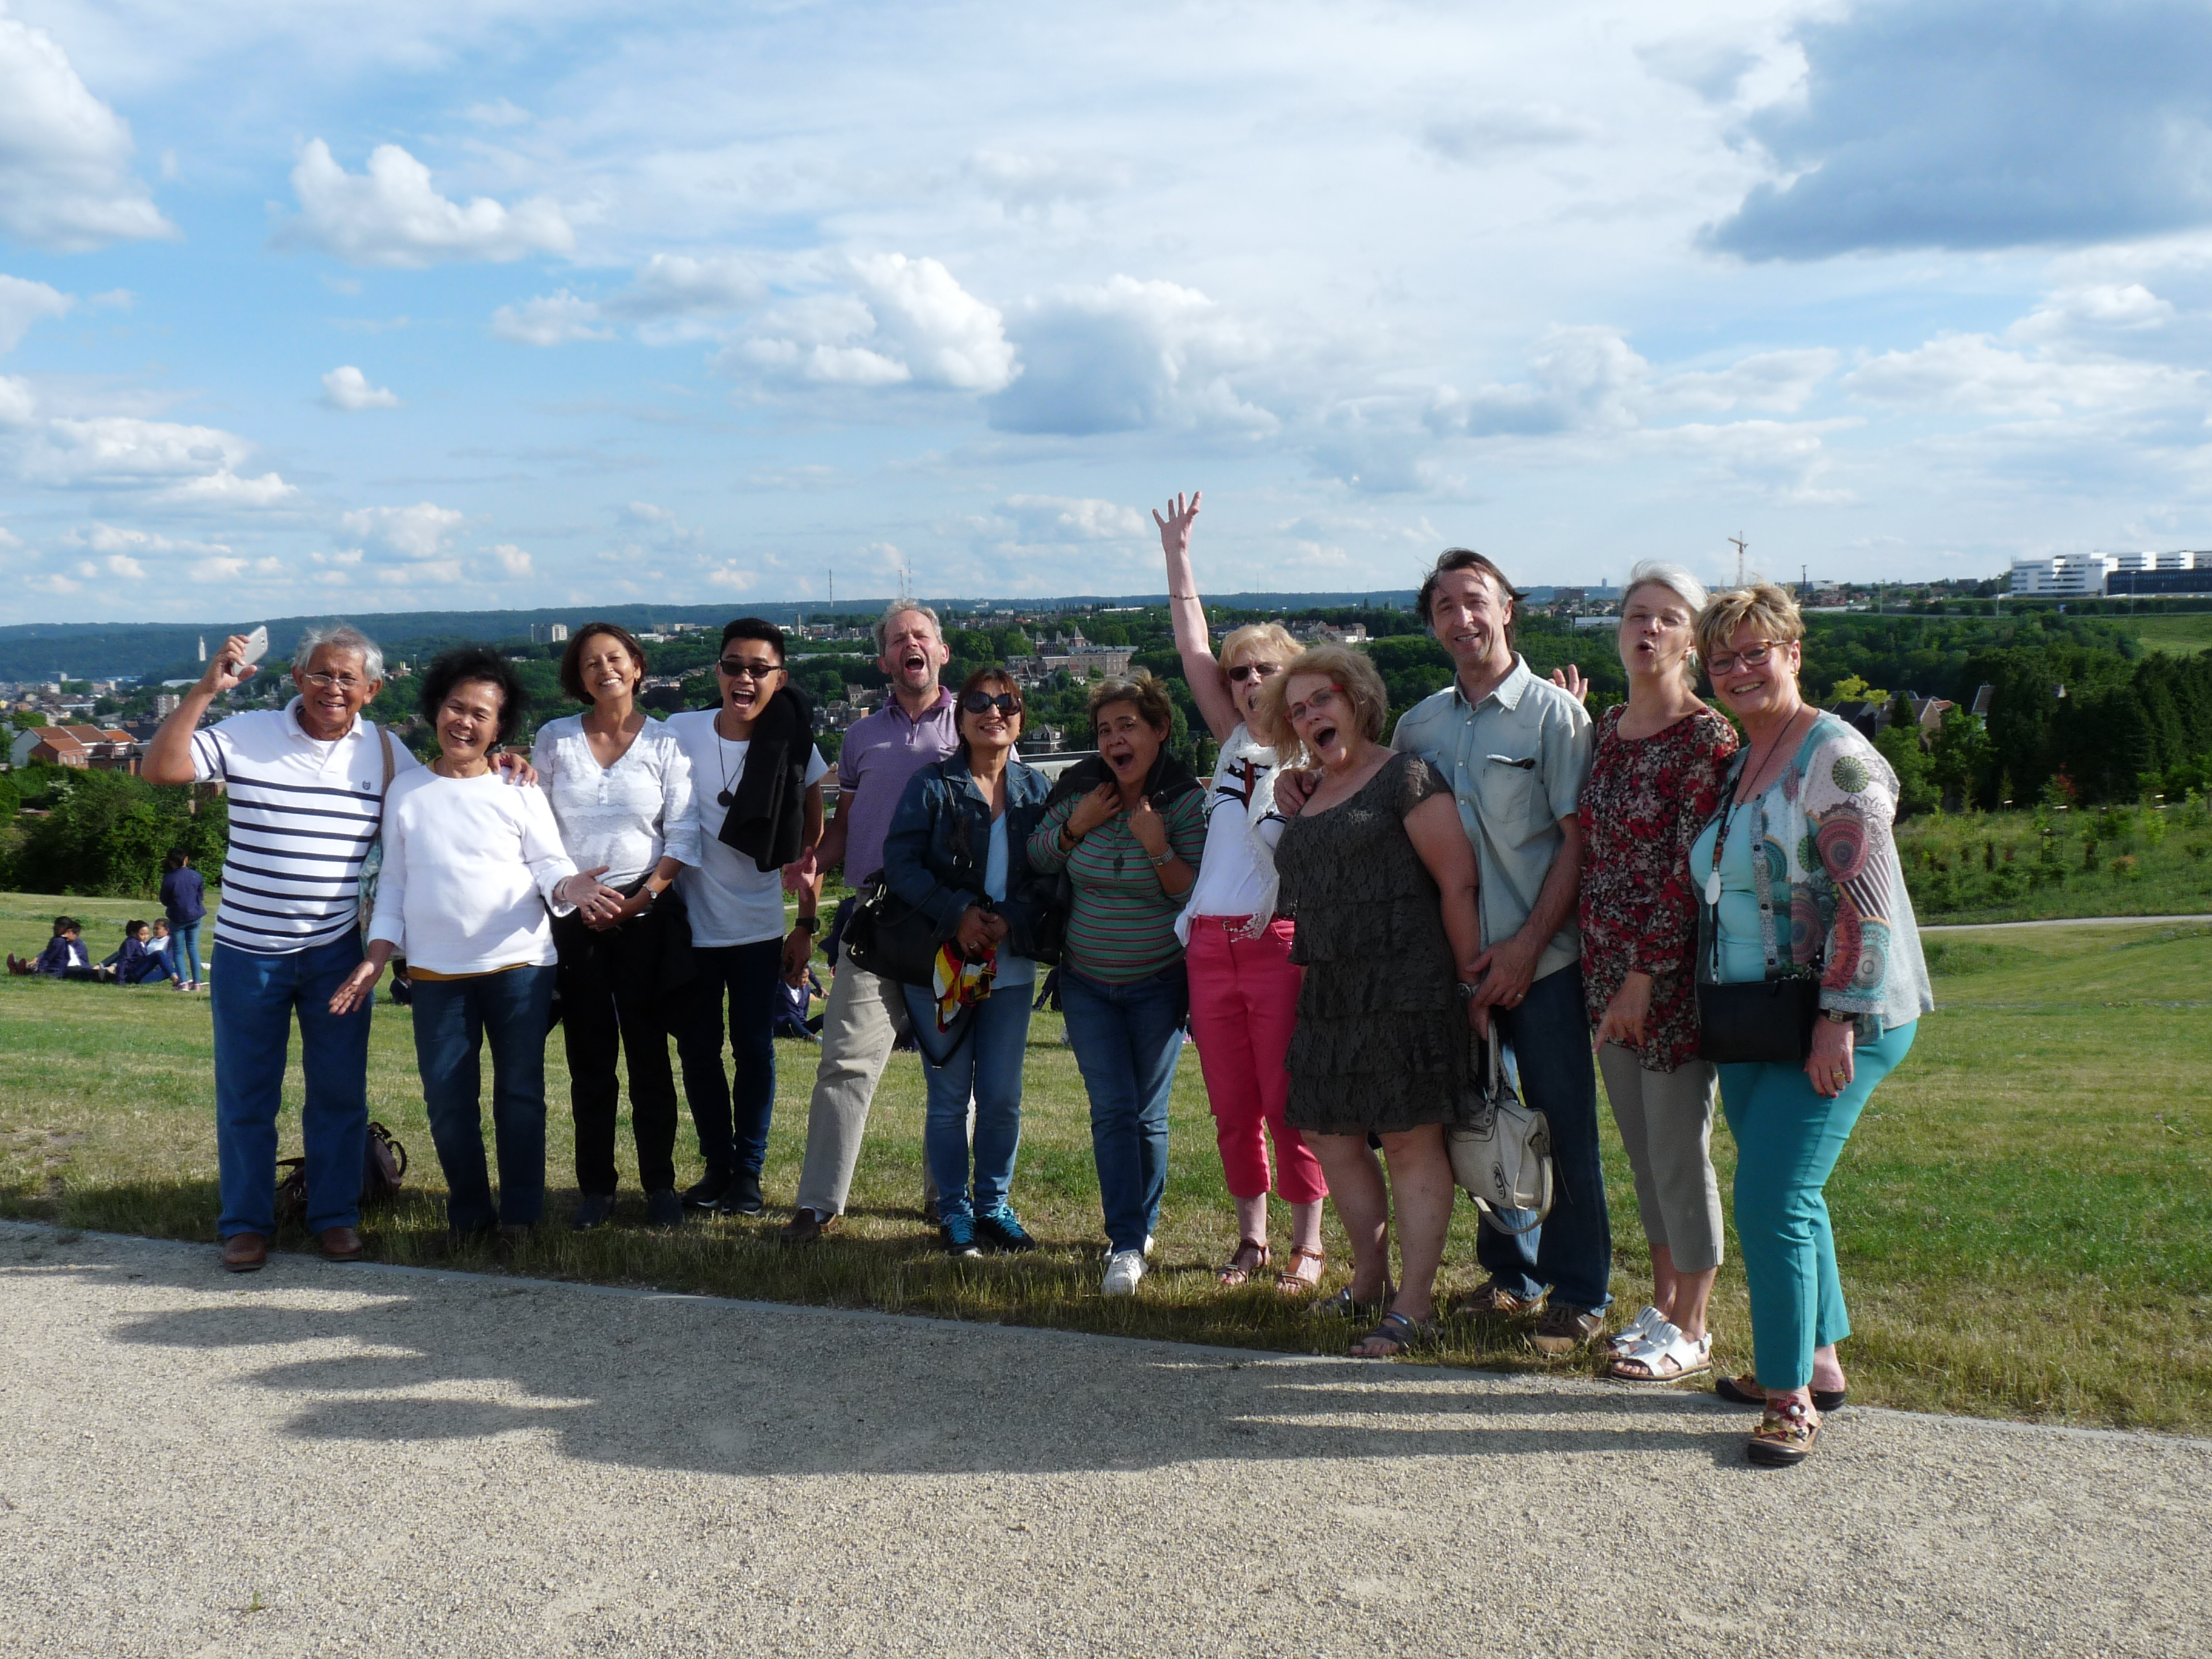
x=512, y=561
x=1582, y=378
x=730, y=576
x=1972, y=373
x=677, y=284
x=346, y=387
x=1485, y=134
x=1125, y=354
x=909, y=322
x=65, y=178
x=1784, y=380
x=122, y=564
x=1069, y=519
x=391, y=217
x=500, y=112
x=109, y=539
x=416, y=534
x=1019, y=182
x=22, y=303
x=224, y=488
x=550, y=319
x=19, y=406
x=187, y=466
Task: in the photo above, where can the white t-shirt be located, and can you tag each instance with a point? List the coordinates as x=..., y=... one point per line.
x=469, y=866
x=1231, y=879
x=731, y=902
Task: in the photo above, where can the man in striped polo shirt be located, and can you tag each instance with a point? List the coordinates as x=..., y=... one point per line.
x=306, y=786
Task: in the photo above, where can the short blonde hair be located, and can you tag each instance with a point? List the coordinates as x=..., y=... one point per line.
x=1141, y=689
x=1350, y=671
x=1271, y=641
x=1764, y=606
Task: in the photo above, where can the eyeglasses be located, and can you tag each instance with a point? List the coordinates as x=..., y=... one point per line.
x=983, y=702
x=1322, y=700
x=324, y=681
x=1253, y=671
x=737, y=668
x=1752, y=656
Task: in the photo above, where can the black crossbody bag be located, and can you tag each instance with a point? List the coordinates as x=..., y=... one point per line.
x=1759, y=1021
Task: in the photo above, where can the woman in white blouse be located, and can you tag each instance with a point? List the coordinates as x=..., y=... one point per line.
x=471, y=866
x=1243, y=985
x=620, y=787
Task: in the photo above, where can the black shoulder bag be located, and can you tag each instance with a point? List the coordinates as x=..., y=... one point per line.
x=1768, y=1020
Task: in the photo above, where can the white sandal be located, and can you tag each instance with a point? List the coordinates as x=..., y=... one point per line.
x=1666, y=1346
x=1632, y=1334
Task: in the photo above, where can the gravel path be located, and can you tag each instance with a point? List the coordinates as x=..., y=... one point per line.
x=369, y=1460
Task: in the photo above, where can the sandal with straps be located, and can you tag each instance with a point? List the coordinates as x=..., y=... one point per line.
x=1665, y=1355
x=1785, y=1435
x=1238, y=1270
x=1344, y=1304
x=1402, y=1331
x=1295, y=1283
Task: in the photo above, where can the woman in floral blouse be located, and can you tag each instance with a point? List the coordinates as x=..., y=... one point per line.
x=1802, y=871
x=1655, y=778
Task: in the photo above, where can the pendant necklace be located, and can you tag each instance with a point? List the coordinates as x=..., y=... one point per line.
x=726, y=796
x=1713, y=881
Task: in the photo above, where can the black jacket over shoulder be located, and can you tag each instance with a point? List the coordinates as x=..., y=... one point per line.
x=767, y=820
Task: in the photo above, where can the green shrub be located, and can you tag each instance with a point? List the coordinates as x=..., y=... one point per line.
x=106, y=834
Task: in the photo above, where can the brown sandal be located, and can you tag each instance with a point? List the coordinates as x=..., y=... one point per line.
x=1239, y=1271
x=1295, y=1283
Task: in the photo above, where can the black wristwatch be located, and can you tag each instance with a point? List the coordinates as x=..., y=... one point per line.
x=1467, y=992
x=809, y=925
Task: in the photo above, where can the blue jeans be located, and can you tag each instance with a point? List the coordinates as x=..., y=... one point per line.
x=1572, y=1252
x=732, y=1120
x=988, y=1064
x=1127, y=1040
x=185, y=950
x=452, y=1017
x=1788, y=1137
x=253, y=1002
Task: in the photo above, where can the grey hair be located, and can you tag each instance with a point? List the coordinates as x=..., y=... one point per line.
x=342, y=637
x=1662, y=573
x=901, y=608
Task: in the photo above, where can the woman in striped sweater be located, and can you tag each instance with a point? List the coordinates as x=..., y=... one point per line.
x=1128, y=828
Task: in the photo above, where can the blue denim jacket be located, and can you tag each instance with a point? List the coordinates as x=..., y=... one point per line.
x=940, y=836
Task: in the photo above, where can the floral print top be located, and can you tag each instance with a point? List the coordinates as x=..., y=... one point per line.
x=1645, y=801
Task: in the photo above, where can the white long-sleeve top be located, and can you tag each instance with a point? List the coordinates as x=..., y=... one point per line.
x=470, y=866
x=626, y=815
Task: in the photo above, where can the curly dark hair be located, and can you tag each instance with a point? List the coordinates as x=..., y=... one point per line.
x=572, y=660
x=464, y=663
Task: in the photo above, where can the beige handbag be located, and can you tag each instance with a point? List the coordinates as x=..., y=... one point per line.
x=1502, y=1155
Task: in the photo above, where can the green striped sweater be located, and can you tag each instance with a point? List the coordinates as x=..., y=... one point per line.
x=1122, y=927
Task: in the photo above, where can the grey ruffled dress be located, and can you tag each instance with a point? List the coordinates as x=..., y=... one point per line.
x=1383, y=1043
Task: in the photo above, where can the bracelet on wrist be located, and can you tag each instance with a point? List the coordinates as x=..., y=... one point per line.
x=1164, y=860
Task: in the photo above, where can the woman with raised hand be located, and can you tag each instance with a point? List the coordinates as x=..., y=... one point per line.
x=620, y=787
x=1243, y=985
x=958, y=852
x=471, y=866
x=1654, y=780
x=1800, y=863
x=1128, y=827
x=1380, y=879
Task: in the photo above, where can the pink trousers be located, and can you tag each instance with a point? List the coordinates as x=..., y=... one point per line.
x=1243, y=1003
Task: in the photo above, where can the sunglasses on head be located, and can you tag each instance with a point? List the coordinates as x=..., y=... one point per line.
x=1253, y=671
x=982, y=703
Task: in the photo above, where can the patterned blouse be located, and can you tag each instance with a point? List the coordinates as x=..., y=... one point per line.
x=1645, y=801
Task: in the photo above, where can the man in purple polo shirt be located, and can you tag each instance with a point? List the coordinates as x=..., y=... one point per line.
x=866, y=1013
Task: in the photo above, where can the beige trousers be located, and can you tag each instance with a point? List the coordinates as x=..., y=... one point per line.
x=865, y=1016
x=1666, y=1120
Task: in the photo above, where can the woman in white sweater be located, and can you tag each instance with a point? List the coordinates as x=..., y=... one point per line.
x=470, y=865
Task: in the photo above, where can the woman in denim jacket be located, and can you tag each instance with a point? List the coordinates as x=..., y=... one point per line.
x=958, y=853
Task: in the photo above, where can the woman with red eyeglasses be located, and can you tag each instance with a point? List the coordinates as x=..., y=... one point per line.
x=1243, y=986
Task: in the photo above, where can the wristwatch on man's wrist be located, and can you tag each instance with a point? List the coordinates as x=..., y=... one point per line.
x=807, y=925
x=1466, y=991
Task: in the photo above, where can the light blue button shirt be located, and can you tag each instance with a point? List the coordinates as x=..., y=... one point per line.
x=1516, y=762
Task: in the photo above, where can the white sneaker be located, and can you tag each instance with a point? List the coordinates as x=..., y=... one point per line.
x=1123, y=1269
x=1148, y=1246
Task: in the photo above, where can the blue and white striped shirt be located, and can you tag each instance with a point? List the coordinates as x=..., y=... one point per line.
x=303, y=815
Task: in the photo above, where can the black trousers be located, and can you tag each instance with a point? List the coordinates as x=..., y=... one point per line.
x=610, y=1003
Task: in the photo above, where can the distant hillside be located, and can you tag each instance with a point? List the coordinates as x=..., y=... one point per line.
x=35, y=651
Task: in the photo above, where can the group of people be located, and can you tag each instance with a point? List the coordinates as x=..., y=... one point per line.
x=1344, y=920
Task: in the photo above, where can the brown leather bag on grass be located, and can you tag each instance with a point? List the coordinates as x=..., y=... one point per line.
x=383, y=1165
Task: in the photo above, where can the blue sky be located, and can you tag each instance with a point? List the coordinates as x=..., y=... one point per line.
x=339, y=306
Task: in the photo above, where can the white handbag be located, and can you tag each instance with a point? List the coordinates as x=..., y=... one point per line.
x=1503, y=1158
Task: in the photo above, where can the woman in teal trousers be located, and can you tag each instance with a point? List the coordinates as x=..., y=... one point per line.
x=1800, y=872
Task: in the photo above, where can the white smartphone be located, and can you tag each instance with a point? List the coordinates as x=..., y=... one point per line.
x=256, y=647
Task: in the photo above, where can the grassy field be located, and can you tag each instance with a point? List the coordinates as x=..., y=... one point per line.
x=2183, y=634
x=2022, y=1216
x=2126, y=861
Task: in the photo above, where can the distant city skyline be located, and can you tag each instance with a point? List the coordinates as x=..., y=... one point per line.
x=490, y=305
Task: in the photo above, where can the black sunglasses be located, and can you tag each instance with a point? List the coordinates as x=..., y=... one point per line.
x=982, y=703
x=738, y=668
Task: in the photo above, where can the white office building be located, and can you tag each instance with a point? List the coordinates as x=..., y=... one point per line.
x=2064, y=575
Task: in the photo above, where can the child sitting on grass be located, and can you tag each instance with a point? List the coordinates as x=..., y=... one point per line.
x=136, y=961
x=64, y=956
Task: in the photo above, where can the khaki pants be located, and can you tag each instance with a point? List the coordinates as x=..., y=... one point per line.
x=864, y=1017
x=1666, y=1120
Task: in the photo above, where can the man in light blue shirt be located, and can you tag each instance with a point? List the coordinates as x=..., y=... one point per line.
x=1516, y=750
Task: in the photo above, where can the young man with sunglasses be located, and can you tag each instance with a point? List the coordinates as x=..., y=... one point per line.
x=916, y=726
x=736, y=909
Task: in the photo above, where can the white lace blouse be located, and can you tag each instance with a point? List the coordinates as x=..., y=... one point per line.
x=628, y=816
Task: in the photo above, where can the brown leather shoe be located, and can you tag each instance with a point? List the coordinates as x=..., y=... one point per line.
x=342, y=1244
x=1563, y=1329
x=245, y=1253
x=806, y=1226
x=1491, y=1298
